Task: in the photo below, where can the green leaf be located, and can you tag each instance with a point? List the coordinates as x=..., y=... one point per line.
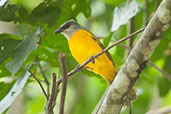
x=114, y=2
x=14, y=92
x=6, y=36
x=51, y=13
x=8, y=47
x=13, y=13
x=4, y=71
x=106, y=41
x=164, y=44
x=5, y=88
x=22, y=52
x=167, y=64
x=25, y=30
x=164, y=86
x=81, y=6
x=48, y=55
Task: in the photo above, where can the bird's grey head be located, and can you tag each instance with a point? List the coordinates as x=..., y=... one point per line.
x=68, y=28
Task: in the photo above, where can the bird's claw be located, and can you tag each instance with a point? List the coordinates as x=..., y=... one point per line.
x=92, y=59
x=77, y=67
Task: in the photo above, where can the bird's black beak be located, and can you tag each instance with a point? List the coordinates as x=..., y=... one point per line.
x=59, y=30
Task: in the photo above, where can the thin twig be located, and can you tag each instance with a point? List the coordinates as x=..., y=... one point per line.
x=124, y=46
x=51, y=101
x=64, y=79
x=145, y=17
x=39, y=83
x=53, y=89
x=43, y=74
x=130, y=106
x=40, y=67
x=165, y=74
x=130, y=29
x=44, y=70
x=79, y=67
x=55, y=92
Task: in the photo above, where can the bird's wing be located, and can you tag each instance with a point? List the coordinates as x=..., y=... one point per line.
x=101, y=45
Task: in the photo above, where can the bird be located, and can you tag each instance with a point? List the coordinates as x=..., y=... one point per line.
x=84, y=45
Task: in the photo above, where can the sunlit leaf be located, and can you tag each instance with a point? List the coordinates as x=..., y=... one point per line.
x=14, y=92
x=123, y=14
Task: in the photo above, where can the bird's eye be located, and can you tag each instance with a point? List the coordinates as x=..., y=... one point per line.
x=66, y=26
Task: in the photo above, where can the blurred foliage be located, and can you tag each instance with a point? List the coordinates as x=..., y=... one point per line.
x=83, y=92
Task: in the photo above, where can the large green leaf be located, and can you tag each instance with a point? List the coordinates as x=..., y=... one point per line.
x=23, y=50
x=46, y=12
x=25, y=30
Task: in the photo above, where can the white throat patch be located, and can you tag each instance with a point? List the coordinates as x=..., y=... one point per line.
x=69, y=32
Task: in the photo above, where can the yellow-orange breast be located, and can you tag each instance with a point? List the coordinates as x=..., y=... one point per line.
x=82, y=46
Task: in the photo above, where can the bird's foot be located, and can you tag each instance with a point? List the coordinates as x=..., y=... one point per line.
x=77, y=68
x=92, y=59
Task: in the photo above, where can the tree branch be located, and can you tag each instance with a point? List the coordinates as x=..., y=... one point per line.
x=165, y=74
x=39, y=84
x=51, y=101
x=164, y=110
x=137, y=60
x=40, y=67
x=64, y=79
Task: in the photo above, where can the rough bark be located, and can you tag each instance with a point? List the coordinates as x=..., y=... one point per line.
x=137, y=60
